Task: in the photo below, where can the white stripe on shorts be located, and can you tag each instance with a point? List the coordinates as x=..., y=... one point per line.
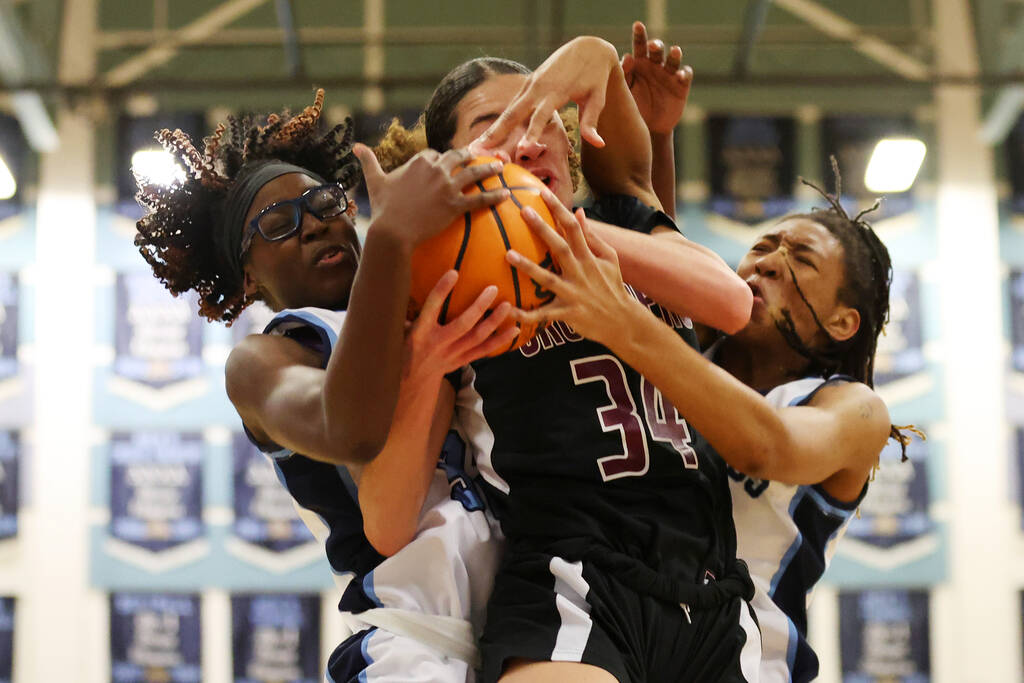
x=750, y=655
x=571, y=591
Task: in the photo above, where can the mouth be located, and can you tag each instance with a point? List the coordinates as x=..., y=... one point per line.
x=330, y=255
x=758, y=296
x=544, y=175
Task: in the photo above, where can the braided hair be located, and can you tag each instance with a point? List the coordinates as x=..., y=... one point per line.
x=176, y=236
x=865, y=287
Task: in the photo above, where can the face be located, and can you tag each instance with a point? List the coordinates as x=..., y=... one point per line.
x=816, y=258
x=547, y=158
x=313, y=267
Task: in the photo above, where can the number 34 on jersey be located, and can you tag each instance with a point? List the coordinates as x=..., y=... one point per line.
x=620, y=414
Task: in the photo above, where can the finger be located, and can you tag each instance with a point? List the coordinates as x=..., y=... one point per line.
x=472, y=174
x=674, y=59
x=538, y=121
x=558, y=210
x=454, y=158
x=483, y=329
x=590, y=113
x=560, y=249
x=598, y=246
x=542, y=276
x=435, y=299
x=503, y=126
x=656, y=51
x=496, y=343
x=575, y=237
x=628, y=64
x=465, y=321
x=481, y=200
x=372, y=172
x=639, y=40
x=538, y=316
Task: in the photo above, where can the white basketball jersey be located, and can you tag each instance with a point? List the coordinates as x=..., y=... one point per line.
x=447, y=570
x=787, y=534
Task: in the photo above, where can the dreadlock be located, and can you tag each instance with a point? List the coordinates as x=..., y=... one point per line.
x=865, y=287
x=176, y=234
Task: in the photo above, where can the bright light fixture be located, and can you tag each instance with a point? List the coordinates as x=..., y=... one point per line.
x=894, y=165
x=7, y=184
x=158, y=166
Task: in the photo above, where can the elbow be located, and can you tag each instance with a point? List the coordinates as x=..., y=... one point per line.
x=387, y=538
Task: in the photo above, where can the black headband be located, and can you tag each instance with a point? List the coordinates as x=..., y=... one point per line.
x=228, y=237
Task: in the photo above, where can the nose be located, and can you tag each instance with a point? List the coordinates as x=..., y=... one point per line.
x=770, y=265
x=311, y=228
x=529, y=150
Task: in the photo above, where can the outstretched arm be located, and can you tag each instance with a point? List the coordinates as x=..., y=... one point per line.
x=616, y=145
x=843, y=431
x=659, y=86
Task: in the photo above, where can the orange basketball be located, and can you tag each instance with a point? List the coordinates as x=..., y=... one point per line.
x=475, y=245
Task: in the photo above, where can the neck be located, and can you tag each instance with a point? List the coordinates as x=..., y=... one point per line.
x=761, y=366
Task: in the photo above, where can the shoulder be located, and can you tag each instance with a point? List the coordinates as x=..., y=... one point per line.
x=860, y=410
x=253, y=360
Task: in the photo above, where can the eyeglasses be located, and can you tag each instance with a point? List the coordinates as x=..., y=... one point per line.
x=283, y=219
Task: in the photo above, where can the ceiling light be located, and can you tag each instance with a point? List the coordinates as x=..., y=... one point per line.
x=158, y=166
x=894, y=165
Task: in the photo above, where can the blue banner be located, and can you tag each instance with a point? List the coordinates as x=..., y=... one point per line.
x=1017, y=318
x=276, y=638
x=154, y=638
x=752, y=167
x=6, y=640
x=901, y=348
x=8, y=325
x=10, y=452
x=264, y=513
x=156, y=488
x=884, y=636
x=158, y=337
x=1015, y=165
x=895, y=509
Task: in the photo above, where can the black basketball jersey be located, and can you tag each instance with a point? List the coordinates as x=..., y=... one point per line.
x=582, y=456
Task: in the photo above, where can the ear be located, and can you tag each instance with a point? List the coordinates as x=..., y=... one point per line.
x=843, y=323
x=250, y=285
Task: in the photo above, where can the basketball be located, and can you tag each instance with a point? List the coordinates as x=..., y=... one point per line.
x=475, y=246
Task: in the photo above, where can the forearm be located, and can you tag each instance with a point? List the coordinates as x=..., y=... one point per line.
x=750, y=435
x=663, y=170
x=359, y=396
x=681, y=276
x=394, y=485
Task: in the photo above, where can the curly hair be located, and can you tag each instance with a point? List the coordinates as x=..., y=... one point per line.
x=176, y=236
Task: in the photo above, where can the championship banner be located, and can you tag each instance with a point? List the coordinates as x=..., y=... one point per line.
x=900, y=353
x=10, y=449
x=154, y=638
x=894, y=512
x=884, y=636
x=276, y=638
x=1015, y=165
x=8, y=325
x=158, y=337
x=156, y=489
x=264, y=513
x=6, y=639
x=752, y=167
x=852, y=140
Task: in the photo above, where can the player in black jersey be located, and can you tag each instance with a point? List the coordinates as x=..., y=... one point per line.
x=621, y=552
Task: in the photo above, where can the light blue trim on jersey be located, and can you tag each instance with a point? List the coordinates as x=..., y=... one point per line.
x=827, y=507
x=794, y=641
x=363, y=678
x=793, y=548
x=368, y=588
x=306, y=317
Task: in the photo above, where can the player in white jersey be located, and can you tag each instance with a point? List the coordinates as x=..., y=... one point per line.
x=791, y=514
x=263, y=214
